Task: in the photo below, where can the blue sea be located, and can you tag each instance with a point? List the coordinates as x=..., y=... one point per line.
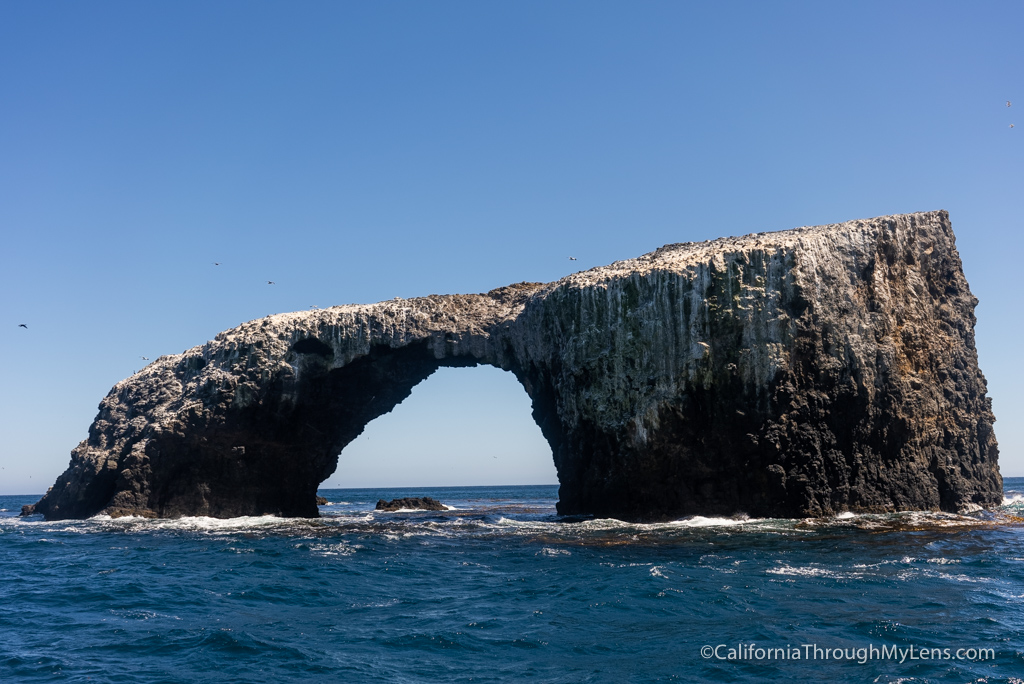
x=501, y=589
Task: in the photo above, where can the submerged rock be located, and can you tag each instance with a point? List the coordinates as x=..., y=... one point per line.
x=421, y=504
x=798, y=373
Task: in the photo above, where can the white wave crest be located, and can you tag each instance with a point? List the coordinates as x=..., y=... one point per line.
x=547, y=551
x=701, y=521
x=339, y=549
x=198, y=523
x=813, y=571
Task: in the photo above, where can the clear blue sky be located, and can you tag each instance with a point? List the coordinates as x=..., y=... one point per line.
x=357, y=151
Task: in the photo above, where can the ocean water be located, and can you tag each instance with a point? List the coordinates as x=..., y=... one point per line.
x=500, y=589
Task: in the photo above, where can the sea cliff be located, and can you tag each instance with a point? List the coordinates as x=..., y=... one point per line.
x=797, y=373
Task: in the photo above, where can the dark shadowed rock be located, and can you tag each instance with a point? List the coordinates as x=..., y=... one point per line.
x=424, y=504
x=798, y=373
x=321, y=501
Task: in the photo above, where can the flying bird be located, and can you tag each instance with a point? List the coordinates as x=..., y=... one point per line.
x=572, y=258
x=216, y=263
x=144, y=358
x=271, y=282
x=22, y=325
x=1009, y=104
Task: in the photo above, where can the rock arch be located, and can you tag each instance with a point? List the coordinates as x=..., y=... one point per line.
x=804, y=372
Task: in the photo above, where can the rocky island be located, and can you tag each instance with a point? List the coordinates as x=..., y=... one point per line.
x=798, y=373
x=425, y=503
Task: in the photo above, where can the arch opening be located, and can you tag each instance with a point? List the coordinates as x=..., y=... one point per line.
x=459, y=427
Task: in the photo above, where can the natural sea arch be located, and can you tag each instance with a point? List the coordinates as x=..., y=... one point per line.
x=328, y=407
x=459, y=427
x=806, y=372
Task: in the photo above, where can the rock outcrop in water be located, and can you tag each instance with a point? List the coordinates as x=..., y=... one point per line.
x=418, y=504
x=797, y=373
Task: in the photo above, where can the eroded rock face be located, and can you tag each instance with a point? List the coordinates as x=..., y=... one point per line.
x=804, y=372
x=417, y=504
